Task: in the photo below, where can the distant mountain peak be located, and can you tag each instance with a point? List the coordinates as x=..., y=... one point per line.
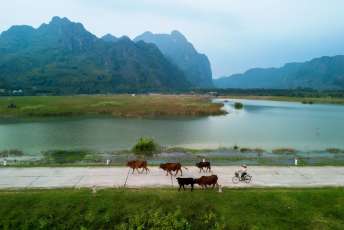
x=59, y=20
x=182, y=53
x=178, y=35
x=109, y=38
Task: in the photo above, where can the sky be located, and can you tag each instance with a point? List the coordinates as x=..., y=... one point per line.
x=236, y=35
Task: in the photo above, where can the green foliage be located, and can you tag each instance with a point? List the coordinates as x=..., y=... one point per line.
x=64, y=156
x=238, y=105
x=321, y=208
x=145, y=146
x=284, y=151
x=11, y=153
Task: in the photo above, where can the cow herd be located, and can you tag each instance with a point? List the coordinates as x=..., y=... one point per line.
x=203, y=181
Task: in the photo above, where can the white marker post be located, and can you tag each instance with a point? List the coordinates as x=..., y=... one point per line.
x=295, y=161
x=5, y=162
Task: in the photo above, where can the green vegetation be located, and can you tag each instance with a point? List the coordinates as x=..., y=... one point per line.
x=307, y=102
x=111, y=105
x=156, y=154
x=284, y=151
x=255, y=150
x=238, y=105
x=335, y=150
x=145, y=146
x=64, y=156
x=169, y=209
x=11, y=153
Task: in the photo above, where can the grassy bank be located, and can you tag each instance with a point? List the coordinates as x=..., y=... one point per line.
x=307, y=100
x=113, y=105
x=188, y=157
x=169, y=209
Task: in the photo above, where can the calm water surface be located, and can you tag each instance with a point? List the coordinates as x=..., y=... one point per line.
x=264, y=124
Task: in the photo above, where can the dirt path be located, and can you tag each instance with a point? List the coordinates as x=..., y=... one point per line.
x=115, y=177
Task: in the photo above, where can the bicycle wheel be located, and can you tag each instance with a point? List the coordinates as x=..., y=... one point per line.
x=235, y=179
x=248, y=179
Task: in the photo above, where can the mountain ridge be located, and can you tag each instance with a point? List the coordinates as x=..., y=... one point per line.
x=181, y=52
x=62, y=56
x=322, y=73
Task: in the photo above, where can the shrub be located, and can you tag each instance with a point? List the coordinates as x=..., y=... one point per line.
x=145, y=146
x=284, y=151
x=11, y=152
x=335, y=150
x=64, y=156
x=238, y=105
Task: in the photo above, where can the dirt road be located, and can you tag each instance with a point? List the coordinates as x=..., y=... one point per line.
x=116, y=176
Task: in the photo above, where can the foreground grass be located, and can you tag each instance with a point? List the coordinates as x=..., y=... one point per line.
x=113, y=105
x=317, y=100
x=168, y=209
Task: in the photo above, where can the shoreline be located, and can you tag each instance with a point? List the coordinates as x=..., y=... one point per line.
x=315, y=100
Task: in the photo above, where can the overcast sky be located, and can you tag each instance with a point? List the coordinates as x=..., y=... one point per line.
x=235, y=34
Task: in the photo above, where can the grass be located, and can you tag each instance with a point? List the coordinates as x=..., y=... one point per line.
x=321, y=208
x=308, y=100
x=11, y=153
x=284, y=151
x=187, y=156
x=111, y=105
x=64, y=156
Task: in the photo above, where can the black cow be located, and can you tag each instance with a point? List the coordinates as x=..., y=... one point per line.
x=185, y=181
x=205, y=165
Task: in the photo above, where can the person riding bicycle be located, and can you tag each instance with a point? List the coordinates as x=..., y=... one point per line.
x=242, y=171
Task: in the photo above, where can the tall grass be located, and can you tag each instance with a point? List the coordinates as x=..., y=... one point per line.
x=169, y=209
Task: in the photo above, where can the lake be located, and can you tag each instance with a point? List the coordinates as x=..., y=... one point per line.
x=261, y=124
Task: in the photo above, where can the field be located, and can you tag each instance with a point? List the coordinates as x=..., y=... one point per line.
x=321, y=208
x=110, y=105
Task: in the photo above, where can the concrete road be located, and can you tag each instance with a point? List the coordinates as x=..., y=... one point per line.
x=116, y=176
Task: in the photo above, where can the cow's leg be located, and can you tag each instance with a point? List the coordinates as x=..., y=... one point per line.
x=192, y=185
x=213, y=185
x=133, y=171
x=180, y=186
x=181, y=172
x=167, y=172
x=183, y=187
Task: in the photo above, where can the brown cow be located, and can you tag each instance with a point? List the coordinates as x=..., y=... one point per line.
x=169, y=167
x=204, y=181
x=137, y=164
